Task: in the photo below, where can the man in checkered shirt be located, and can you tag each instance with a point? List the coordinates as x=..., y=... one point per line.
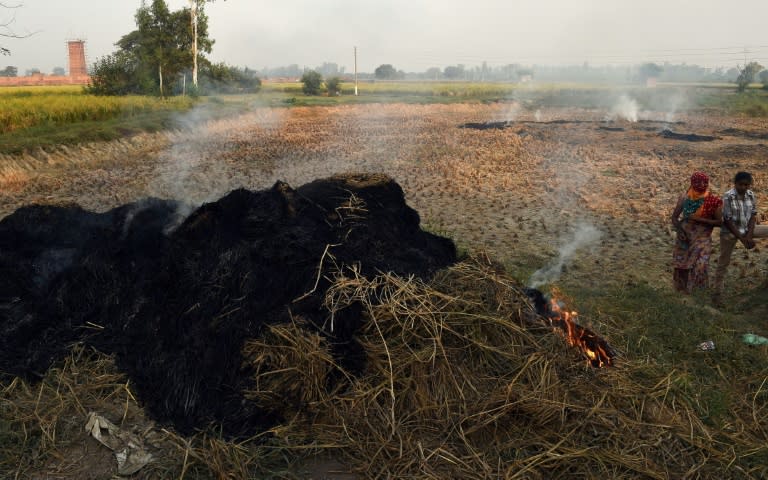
x=739, y=225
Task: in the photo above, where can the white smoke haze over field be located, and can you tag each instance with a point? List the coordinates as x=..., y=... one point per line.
x=675, y=104
x=584, y=236
x=522, y=98
x=194, y=169
x=625, y=108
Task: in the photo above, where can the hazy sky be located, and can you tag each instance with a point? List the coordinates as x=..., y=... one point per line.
x=417, y=34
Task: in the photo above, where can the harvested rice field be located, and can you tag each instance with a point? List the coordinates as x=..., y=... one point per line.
x=514, y=192
x=458, y=380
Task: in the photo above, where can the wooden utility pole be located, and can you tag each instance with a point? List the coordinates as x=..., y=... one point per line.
x=355, y=71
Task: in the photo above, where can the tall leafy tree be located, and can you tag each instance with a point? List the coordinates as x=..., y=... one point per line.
x=764, y=78
x=747, y=75
x=385, y=72
x=649, y=70
x=9, y=71
x=312, y=81
x=162, y=43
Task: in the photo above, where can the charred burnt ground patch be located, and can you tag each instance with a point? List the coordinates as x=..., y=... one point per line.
x=175, y=301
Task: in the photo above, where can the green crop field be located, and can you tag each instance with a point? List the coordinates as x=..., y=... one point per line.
x=33, y=117
x=29, y=107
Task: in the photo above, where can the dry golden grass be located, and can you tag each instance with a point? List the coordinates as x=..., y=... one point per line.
x=514, y=192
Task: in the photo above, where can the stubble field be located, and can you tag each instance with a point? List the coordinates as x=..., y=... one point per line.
x=516, y=192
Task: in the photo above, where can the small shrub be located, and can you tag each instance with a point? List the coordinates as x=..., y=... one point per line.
x=312, y=82
x=333, y=85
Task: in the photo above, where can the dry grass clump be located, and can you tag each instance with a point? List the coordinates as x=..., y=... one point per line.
x=462, y=382
x=42, y=430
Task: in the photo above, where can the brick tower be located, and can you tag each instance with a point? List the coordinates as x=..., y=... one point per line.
x=77, y=66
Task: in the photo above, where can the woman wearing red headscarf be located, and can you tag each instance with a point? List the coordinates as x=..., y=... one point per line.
x=697, y=213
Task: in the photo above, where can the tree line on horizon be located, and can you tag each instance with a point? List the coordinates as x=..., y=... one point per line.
x=666, y=72
x=157, y=58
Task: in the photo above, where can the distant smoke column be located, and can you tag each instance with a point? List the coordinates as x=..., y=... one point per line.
x=77, y=66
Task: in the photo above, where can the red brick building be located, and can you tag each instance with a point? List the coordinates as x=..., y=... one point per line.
x=78, y=71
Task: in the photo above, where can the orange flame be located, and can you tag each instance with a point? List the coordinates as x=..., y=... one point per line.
x=595, y=349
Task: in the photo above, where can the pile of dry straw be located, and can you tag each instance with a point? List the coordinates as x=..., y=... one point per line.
x=460, y=381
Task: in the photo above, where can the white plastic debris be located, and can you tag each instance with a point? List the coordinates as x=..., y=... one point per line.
x=129, y=449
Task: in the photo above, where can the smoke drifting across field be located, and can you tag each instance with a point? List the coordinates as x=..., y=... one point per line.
x=193, y=169
x=584, y=236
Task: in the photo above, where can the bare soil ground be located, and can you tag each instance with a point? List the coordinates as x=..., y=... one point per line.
x=514, y=191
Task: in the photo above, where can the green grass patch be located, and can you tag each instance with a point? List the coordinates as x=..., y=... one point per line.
x=753, y=102
x=51, y=135
x=663, y=329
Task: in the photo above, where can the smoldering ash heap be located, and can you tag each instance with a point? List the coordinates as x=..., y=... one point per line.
x=176, y=307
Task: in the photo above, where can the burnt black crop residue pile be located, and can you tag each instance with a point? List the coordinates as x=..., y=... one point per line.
x=175, y=300
x=687, y=137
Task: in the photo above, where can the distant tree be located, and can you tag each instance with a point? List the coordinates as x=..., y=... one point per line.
x=31, y=71
x=453, y=72
x=763, y=76
x=329, y=69
x=223, y=78
x=732, y=74
x=289, y=71
x=59, y=71
x=9, y=71
x=522, y=73
x=159, y=49
x=312, y=82
x=119, y=74
x=509, y=71
x=649, y=70
x=433, y=73
x=161, y=42
x=747, y=75
x=385, y=72
x=333, y=85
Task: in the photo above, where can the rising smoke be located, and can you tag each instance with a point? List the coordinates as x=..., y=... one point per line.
x=584, y=236
x=625, y=108
x=674, y=104
x=196, y=167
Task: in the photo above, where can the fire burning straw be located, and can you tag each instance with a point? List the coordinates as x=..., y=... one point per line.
x=553, y=309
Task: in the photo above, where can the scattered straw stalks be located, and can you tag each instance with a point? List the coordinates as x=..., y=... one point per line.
x=460, y=381
x=20, y=168
x=42, y=434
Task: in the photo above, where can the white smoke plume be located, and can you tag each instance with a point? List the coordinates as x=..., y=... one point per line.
x=584, y=236
x=674, y=105
x=196, y=167
x=625, y=108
